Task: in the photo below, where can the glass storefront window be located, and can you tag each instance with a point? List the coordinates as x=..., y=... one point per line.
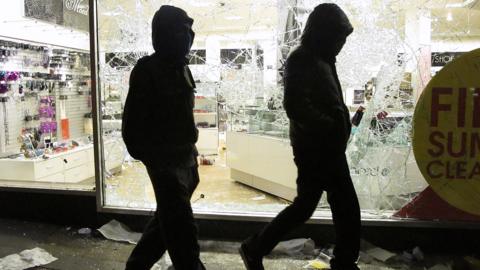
x=45, y=97
x=237, y=61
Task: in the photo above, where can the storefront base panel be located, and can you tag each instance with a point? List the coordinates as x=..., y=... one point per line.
x=56, y=207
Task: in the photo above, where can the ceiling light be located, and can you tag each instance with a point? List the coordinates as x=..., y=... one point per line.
x=464, y=4
x=233, y=18
x=111, y=13
x=196, y=3
x=449, y=16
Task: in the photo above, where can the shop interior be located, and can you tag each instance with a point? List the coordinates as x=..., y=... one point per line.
x=45, y=100
x=246, y=164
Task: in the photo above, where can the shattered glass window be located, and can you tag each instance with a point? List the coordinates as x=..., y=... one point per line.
x=238, y=59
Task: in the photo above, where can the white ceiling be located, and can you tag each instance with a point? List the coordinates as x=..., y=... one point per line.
x=242, y=16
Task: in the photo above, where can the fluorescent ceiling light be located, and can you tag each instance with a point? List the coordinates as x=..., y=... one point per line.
x=449, y=16
x=196, y=3
x=463, y=4
x=233, y=18
x=111, y=13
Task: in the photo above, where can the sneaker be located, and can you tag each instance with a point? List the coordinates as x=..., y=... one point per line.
x=251, y=261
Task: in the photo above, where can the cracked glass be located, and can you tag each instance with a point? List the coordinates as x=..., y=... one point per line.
x=237, y=60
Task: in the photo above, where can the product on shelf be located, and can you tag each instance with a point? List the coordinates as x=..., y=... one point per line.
x=44, y=92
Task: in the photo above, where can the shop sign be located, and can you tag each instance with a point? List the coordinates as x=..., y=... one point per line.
x=369, y=171
x=76, y=6
x=446, y=127
x=440, y=59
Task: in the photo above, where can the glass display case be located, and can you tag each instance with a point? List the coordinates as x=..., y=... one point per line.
x=254, y=120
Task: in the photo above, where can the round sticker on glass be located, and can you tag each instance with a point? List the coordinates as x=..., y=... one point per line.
x=446, y=133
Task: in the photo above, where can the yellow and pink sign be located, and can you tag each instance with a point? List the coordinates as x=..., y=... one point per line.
x=446, y=127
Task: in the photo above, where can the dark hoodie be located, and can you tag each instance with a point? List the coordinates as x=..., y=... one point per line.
x=158, y=125
x=172, y=34
x=319, y=120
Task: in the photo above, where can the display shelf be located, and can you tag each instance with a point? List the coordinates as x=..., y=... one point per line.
x=262, y=162
x=44, y=72
x=72, y=166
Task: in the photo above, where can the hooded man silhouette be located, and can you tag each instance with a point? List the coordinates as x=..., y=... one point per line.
x=319, y=131
x=159, y=129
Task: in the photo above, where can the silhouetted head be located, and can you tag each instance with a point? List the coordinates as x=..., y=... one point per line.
x=326, y=30
x=172, y=34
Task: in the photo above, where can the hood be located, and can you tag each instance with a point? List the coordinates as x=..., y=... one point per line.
x=172, y=34
x=326, y=25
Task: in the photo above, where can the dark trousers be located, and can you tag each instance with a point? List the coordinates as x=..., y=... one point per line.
x=315, y=175
x=172, y=227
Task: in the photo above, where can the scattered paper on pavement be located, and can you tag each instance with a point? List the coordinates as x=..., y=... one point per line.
x=117, y=231
x=380, y=254
x=296, y=247
x=440, y=267
x=26, y=259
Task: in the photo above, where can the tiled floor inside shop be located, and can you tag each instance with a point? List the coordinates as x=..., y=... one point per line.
x=131, y=188
x=217, y=192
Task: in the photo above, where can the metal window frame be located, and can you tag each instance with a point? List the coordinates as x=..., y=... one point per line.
x=207, y=215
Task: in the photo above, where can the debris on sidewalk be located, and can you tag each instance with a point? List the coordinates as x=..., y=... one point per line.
x=117, y=231
x=317, y=264
x=440, y=267
x=415, y=255
x=380, y=254
x=365, y=258
x=418, y=254
x=26, y=259
x=370, y=251
x=85, y=231
x=296, y=247
x=473, y=262
x=407, y=257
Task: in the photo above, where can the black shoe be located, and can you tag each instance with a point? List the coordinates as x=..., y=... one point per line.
x=334, y=265
x=251, y=261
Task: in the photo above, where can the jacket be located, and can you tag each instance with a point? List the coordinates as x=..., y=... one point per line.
x=313, y=99
x=158, y=125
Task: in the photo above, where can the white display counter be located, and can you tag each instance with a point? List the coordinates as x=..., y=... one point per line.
x=266, y=163
x=72, y=166
x=262, y=162
x=207, y=143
